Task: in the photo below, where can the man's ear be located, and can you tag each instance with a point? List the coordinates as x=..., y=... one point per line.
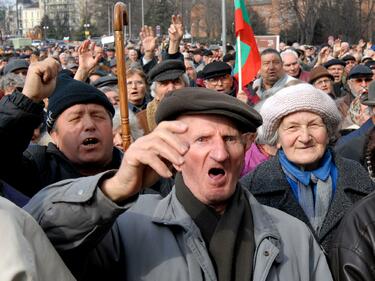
x=54, y=137
x=248, y=139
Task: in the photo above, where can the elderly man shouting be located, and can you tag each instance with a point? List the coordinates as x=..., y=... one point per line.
x=207, y=228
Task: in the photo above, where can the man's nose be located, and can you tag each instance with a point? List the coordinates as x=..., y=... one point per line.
x=219, y=151
x=88, y=122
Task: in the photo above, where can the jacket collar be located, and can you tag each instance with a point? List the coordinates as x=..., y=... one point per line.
x=169, y=211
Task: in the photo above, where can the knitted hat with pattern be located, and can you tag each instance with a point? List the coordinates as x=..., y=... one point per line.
x=301, y=97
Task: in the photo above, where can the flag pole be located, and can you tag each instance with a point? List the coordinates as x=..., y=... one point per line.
x=239, y=60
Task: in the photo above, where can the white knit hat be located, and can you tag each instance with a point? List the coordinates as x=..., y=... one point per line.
x=301, y=97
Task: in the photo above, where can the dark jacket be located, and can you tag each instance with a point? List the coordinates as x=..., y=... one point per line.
x=270, y=187
x=30, y=168
x=352, y=253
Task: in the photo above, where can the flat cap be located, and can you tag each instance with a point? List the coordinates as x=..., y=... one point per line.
x=369, y=99
x=348, y=57
x=166, y=70
x=360, y=71
x=16, y=64
x=334, y=62
x=319, y=72
x=370, y=64
x=193, y=101
x=105, y=81
x=216, y=69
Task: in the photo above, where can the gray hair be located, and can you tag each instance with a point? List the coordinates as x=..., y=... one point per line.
x=135, y=130
x=183, y=77
x=288, y=52
x=106, y=89
x=12, y=80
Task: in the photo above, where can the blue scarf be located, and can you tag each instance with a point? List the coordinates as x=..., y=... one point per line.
x=327, y=168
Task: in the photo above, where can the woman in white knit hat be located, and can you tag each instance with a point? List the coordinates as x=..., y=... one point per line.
x=306, y=179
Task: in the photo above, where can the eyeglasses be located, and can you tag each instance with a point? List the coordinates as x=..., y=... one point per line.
x=361, y=80
x=135, y=83
x=215, y=80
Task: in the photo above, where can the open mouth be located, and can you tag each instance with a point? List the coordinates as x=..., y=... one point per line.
x=90, y=141
x=215, y=172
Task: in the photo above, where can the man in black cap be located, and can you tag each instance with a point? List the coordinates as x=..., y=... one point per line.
x=16, y=66
x=204, y=136
x=165, y=77
x=336, y=68
x=217, y=76
x=358, y=79
x=79, y=121
x=350, y=62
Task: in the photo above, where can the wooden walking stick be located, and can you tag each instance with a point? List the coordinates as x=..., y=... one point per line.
x=120, y=18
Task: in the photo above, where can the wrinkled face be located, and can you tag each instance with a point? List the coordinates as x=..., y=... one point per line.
x=136, y=89
x=325, y=84
x=291, y=65
x=214, y=161
x=271, y=68
x=164, y=87
x=303, y=137
x=336, y=71
x=83, y=133
x=359, y=85
x=222, y=84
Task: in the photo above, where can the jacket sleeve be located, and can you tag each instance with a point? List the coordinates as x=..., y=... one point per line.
x=19, y=116
x=352, y=255
x=79, y=220
x=26, y=253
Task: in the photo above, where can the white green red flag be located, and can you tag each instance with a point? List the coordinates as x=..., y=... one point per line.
x=247, y=54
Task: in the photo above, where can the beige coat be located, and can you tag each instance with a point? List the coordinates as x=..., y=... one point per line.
x=26, y=253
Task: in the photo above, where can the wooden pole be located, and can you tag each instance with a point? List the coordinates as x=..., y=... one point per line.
x=120, y=18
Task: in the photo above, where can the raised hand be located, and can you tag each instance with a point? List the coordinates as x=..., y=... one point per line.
x=148, y=38
x=176, y=29
x=87, y=60
x=147, y=159
x=41, y=79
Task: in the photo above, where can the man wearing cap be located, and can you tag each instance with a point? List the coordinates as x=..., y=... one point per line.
x=321, y=79
x=350, y=62
x=352, y=145
x=204, y=136
x=217, y=76
x=16, y=66
x=336, y=68
x=79, y=121
x=352, y=110
x=165, y=77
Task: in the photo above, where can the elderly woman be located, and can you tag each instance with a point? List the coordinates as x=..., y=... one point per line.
x=306, y=179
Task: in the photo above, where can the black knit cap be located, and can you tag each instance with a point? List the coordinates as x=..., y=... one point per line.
x=69, y=92
x=193, y=101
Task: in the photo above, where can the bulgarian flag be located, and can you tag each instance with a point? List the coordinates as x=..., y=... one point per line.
x=247, y=54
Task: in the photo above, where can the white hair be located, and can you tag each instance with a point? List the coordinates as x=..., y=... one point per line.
x=135, y=130
x=183, y=77
x=288, y=52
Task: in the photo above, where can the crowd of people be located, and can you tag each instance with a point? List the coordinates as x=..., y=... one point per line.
x=273, y=180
